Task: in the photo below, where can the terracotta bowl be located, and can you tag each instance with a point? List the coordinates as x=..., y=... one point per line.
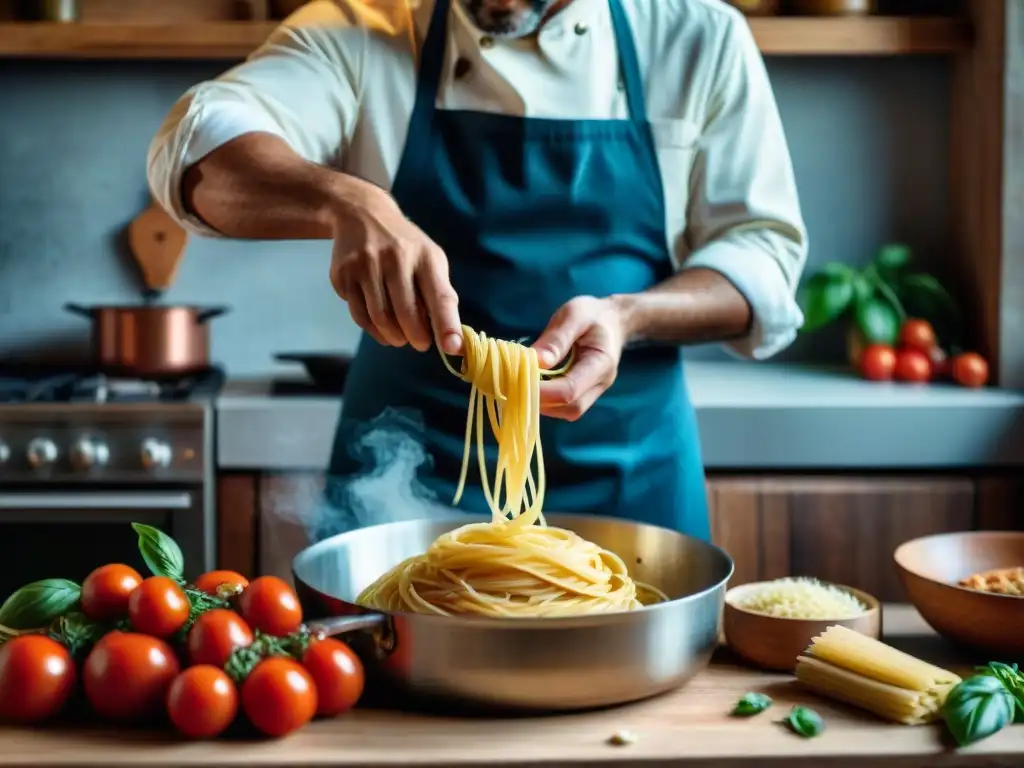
x=930, y=568
x=774, y=643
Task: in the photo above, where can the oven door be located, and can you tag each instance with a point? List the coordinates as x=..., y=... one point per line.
x=67, y=533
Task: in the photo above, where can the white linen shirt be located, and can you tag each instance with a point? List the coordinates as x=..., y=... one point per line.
x=337, y=82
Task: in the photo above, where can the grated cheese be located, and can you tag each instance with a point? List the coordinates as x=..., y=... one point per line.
x=800, y=598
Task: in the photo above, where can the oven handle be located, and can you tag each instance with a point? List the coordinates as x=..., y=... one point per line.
x=95, y=501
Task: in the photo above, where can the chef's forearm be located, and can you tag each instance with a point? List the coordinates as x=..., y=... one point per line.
x=692, y=307
x=257, y=187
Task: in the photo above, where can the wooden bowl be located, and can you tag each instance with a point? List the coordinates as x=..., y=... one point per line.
x=930, y=568
x=770, y=642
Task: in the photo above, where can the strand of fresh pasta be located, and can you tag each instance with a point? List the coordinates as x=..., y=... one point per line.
x=514, y=565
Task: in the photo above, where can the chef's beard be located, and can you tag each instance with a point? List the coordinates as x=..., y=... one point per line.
x=522, y=19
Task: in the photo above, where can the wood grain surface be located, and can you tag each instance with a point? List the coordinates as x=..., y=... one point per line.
x=688, y=728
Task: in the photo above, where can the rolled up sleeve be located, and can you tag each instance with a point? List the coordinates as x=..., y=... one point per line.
x=744, y=217
x=301, y=85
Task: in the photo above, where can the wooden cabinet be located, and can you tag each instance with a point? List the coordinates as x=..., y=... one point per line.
x=842, y=529
x=264, y=520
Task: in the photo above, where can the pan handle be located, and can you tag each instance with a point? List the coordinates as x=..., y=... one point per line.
x=78, y=309
x=378, y=623
x=208, y=314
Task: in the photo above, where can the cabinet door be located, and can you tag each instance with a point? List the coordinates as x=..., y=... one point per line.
x=237, y=520
x=841, y=529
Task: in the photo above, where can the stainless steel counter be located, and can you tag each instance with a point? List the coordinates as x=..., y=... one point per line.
x=752, y=417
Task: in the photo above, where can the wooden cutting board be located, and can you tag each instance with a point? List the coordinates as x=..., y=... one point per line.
x=158, y=245
x=689, y=728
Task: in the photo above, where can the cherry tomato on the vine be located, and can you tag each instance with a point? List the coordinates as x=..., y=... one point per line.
x=913, y=367
x=106, y=590
x=202, y=702
x=37, y=677
x=878, y=362
x=126, y=675
x=919, y=335
x=210, y=582
x=970, y=370
x=338, y=675
x=215, y=635
x=270, y=606
x=279, y=696
x=158, y=607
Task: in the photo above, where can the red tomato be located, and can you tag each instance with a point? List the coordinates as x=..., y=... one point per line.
x=913, y=366
x=209, y=582
x=878, y=362
x=202, y=702
x=105, y=591
x=338, y=675
x=919, y=335
x=279, y=696
x=270, y=606
x=37, y=677
x=215, y=635
x=126, y=675
x=158, y=607
x=970, y=370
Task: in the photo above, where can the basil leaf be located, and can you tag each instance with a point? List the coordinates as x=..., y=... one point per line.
x=805, y=722
x=826, y=296
x=37, y=604
x=878, y=321
x=161, y=553
x=751, y=704
x=863, y=288
x=892, y=257
x=977, y=708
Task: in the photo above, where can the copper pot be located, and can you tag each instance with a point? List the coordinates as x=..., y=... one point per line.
x=150, y=341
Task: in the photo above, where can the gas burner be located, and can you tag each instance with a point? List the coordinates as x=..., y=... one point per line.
x=92, y=387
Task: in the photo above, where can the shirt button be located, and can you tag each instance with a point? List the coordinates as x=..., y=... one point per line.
x=581, y=28
x=462, y=68
x=487, y=42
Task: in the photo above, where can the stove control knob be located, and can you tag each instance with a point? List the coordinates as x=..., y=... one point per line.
x=5, y=453
x=156, y=454
x=89, y=452
x=42, y=452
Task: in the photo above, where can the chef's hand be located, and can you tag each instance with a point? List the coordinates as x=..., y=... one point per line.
x=394, y=277
x=596, y=328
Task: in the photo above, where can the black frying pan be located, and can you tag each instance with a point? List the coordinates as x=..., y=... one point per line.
x=328, y=370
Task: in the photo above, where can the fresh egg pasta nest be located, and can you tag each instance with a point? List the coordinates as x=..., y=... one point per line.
x=515, y=565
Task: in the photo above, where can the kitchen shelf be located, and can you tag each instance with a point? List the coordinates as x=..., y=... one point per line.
x=231, y=40
x=204, y=40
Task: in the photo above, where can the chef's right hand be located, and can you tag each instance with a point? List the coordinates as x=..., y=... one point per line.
x=394, y=277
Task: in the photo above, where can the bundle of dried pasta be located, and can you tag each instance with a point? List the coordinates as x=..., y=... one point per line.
x=859, y=670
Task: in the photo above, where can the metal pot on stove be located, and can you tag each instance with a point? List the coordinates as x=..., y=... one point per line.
x=150, y=340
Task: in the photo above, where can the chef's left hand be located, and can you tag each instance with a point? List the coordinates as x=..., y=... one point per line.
x=596, y=329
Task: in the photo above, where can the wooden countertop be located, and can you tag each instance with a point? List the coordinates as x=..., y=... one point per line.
x=687, y=728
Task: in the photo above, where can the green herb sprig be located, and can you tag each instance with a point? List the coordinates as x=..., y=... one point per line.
x=880, y=298
x=984, y=704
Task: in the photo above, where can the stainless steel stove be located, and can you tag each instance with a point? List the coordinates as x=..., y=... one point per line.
x=83, y=455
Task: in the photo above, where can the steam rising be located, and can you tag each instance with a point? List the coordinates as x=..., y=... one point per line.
x=385, y=490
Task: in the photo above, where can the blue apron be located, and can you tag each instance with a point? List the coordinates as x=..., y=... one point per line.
x=532, y=213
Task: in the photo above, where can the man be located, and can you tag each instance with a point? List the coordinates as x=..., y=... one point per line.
x=605, y=175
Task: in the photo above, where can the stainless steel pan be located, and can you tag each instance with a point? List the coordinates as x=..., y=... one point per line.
x=532, y=664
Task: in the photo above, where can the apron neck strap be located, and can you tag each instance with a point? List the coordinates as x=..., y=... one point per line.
x=434, y=47
x=629, y=63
